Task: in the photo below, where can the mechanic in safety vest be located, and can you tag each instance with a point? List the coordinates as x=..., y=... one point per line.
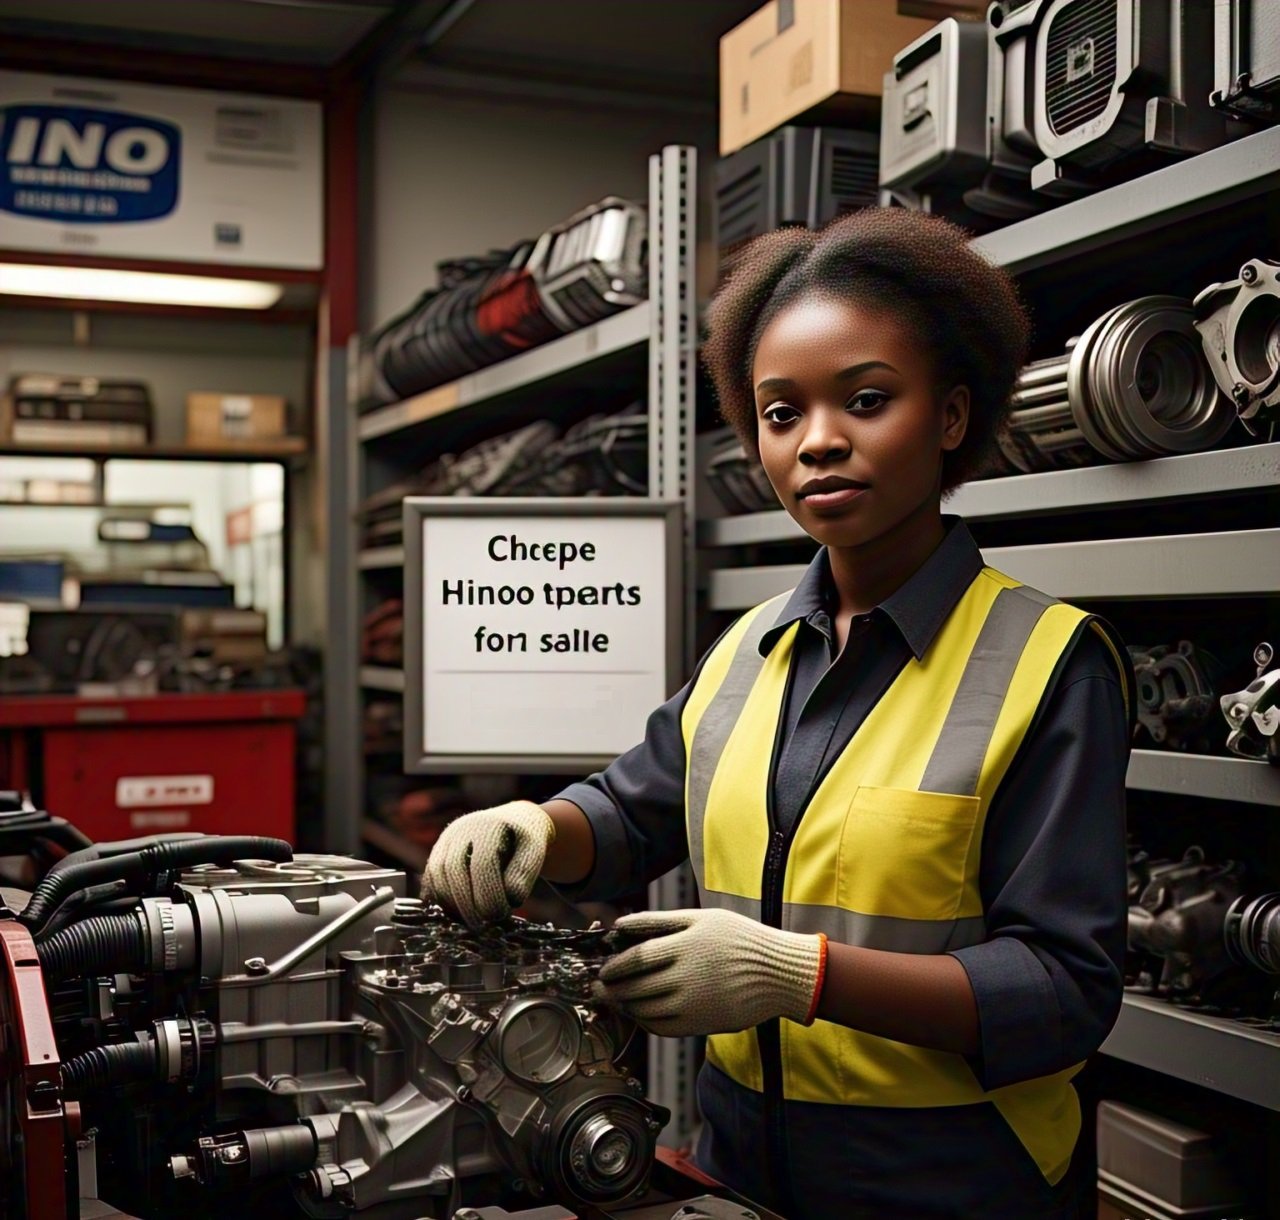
x=901, y=786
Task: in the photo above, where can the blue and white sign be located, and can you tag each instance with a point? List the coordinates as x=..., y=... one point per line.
x=76, y=164
x=135, y=171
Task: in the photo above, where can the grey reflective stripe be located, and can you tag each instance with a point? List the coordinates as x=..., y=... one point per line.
x=721, y=714
x=885, y=932
x=956, y=763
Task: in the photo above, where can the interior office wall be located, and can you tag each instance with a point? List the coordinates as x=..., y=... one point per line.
x=459, y=176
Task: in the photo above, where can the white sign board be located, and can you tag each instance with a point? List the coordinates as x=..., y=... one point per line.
x=120, y=170
x=540, y=629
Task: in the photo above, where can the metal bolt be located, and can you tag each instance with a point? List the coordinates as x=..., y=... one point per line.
x=462, y=1093
x=256, y=965
x=467, y=1213
x=1249, y=273
x=1240, y=394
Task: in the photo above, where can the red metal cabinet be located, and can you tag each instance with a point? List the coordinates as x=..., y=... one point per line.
x=117, y=768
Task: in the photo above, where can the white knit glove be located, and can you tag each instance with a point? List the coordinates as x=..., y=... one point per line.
x=712, y=972
x=485, y=863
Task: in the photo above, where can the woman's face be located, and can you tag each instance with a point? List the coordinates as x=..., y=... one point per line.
x=850, y=423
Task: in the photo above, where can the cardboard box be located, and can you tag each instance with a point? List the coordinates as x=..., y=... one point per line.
x=213, y=418
x=823, y=59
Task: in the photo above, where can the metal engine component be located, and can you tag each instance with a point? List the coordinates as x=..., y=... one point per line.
x=1116, y=77
x=1239, y=326
x=595, y=264
x=1254, y=713
x=1133, y=386
x=1253, y=932
x=1176, y=694
x=302, y=1033
x=1178, y=920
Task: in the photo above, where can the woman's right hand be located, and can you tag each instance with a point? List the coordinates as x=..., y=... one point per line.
x=485, y=863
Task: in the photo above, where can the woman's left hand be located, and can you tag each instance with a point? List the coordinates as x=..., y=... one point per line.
x=712, y=971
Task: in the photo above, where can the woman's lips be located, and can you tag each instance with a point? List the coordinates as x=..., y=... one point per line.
x=832, y=499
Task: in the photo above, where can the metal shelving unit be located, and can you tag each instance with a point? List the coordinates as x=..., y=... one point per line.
x=1055, y=492
x=1217, y=778
x=1229, y=1057
x=567, y=357
x=1234, y=563
x=653, y=346
x=1114, y=233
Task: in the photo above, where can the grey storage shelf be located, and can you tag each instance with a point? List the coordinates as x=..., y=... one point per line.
x=647, y=350
x=1206, y=775
x=1232, y=563
x=1227, y=1056
x=1192, y=187
x=382, y=677
x=373, y=558
x=567, y=356
x=1252, y=467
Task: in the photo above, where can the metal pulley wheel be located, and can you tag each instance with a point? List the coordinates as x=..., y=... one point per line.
x=1239, y=326
x=1135, y=385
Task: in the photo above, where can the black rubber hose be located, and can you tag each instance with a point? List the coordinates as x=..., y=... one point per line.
x=102, y=944
x=134, y=868
x=107, y=1066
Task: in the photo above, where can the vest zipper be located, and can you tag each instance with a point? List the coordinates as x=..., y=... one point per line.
x=769, y=1035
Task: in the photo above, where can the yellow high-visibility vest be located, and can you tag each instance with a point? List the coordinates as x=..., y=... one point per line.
x=887, y=852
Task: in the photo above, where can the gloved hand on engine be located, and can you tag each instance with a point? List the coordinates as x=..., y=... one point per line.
x=485, y=863
x=712, y=972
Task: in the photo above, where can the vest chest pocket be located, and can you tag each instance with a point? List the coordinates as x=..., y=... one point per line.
x=906, y=854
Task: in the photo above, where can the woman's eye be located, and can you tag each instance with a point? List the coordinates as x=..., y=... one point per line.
x=867, y=400
x=780, y=413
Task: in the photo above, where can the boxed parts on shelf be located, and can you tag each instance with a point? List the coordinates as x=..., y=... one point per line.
x=214, y=418
x=52, y=409
x=798, y=57
x=1160, y=1167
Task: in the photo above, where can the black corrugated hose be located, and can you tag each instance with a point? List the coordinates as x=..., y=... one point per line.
x=135, y=868
x=105, y=1066
x=102, y=944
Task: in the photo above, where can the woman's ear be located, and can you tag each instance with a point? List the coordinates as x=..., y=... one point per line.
x=955, y=417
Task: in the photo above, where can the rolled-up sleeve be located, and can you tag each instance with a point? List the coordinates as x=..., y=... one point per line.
x=636, y=809
x=1048, y=979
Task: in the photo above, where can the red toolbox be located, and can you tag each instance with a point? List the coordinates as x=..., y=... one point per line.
x=217, y=763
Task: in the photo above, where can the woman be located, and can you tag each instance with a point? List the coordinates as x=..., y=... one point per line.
x=901, y=785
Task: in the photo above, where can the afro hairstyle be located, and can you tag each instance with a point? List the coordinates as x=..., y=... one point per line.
x=918, y=267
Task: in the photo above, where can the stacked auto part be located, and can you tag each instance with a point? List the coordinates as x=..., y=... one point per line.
x=739, y=481
x=488, y=309
x=49, y=409
x=1197, y=936
x=1177, y=923
x=1061, y=97
x=1254, y=713
x=942, y=138
x=1133, y=386
x=1246, y=58
x=1239, y=326
x=1177, y=699
x=602, y=455
x=794, y=176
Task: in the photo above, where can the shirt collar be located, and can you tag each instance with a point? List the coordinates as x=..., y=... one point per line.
x=917, y=609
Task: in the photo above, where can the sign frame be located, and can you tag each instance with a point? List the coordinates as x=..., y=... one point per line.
x=416, y=510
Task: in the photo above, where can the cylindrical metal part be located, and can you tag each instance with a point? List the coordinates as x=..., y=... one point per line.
x=1135, y=385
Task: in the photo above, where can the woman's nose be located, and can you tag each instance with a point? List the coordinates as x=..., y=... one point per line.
x=824, y=439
